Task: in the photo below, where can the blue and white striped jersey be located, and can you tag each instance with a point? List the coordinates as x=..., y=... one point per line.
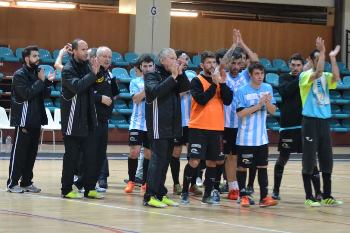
x=186, y=104
x=138, y=116
x=252, y=128
x=231, y=119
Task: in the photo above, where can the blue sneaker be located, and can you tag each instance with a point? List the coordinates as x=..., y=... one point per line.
x=184, y=199
x=215, y=195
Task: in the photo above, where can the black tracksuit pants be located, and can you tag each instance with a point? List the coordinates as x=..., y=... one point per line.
x=74, y=147
x=162, y=150
x=23, y=155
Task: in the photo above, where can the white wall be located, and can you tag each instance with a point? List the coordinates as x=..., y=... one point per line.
x=141, y=40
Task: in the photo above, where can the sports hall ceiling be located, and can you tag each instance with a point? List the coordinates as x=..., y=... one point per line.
x=241, y=10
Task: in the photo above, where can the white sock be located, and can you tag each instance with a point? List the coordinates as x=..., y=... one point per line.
x=231, y=186
x=235, y=184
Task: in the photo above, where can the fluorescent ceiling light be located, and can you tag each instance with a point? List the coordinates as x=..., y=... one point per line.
x=4, y=4
x=184, y=13
x=47, y=5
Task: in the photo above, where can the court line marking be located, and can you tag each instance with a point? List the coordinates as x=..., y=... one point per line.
x=261, y=229
x=24, y=214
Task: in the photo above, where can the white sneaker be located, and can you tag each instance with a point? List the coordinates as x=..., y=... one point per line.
x=15, y=189
x=31, y=188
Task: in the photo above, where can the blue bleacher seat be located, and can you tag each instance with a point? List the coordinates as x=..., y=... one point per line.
x=121, y=74
x=338, y=113
x=346, y=123
x=327, y=66
x=118, y=60
x=1, y=76
x=346, y=109
x=281, y=65
x=48, y=69
x=19, y=53
x=55, y=55
x=272, y=79
x=190, y=74
x=272, y=124
x=119, y=121
x=337, y=127
x=45, y=56
x=131, y=57
x=277, y=113
x=121, y=107
x=123, y=88
x=267, y=65
x=132, y=72
x=58, y=75
x=342, y=68
x=196, y=60
x=6, y=54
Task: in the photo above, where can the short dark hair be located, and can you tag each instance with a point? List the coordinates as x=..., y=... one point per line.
x=179, y=52
x=207, y=54
x=220, y=53
x=255, y=66
x=75, y=43
x=312, y=54
x=235, y=56
x=146, y=57
x=241, y=51
x=296, y=57
x=28, y=50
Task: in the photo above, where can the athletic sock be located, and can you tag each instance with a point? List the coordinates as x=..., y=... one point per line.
x=241, y=178
x=175, y=169
x=219, y=172
x=132, y=167
x=188, y=174
x=210, y=178
x=145, y=170
x=263, y=182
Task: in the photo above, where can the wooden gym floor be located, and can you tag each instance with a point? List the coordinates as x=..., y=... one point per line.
x=118, y=212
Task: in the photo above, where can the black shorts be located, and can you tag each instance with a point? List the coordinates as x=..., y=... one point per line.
x=184, y=139
x=290, y=141
x=138, y=138
x=230, y=135
x=250, y=156
x=205, y=145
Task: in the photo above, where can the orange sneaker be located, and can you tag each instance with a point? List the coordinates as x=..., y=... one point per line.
x=129, y=187
x=233, y=194
x=245, y=201
x=144, y=187
x=268, y=201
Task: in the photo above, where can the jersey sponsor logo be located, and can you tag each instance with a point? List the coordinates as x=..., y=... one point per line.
x=132, y=139
x=247, y=156
x=196, y=146
x=100, y=80
x=285, y=145
x=194, y=151
x=135, y=133
x=309, y=139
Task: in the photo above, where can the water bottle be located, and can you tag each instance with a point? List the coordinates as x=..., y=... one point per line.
x=8, y=140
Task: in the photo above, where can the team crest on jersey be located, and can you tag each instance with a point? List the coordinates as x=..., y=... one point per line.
x=100, y=80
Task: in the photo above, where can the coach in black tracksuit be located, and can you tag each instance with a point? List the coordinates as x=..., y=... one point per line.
x=78, y=118
x=105, y=89
x=163, y=119
x=29, y=88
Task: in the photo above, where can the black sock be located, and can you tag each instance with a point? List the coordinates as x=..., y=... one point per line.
x=201, y=168
x=189, y=172
x=307, y=186
x=241, y=179
x=278, y=170
x=327, y=185
x=263, y=182
x=219, y=171
x=315, y=178
x=132, y=167
x=175, y=169
x=210, y=177
x=145, y=170
x=252, y=174
x=194, y=177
